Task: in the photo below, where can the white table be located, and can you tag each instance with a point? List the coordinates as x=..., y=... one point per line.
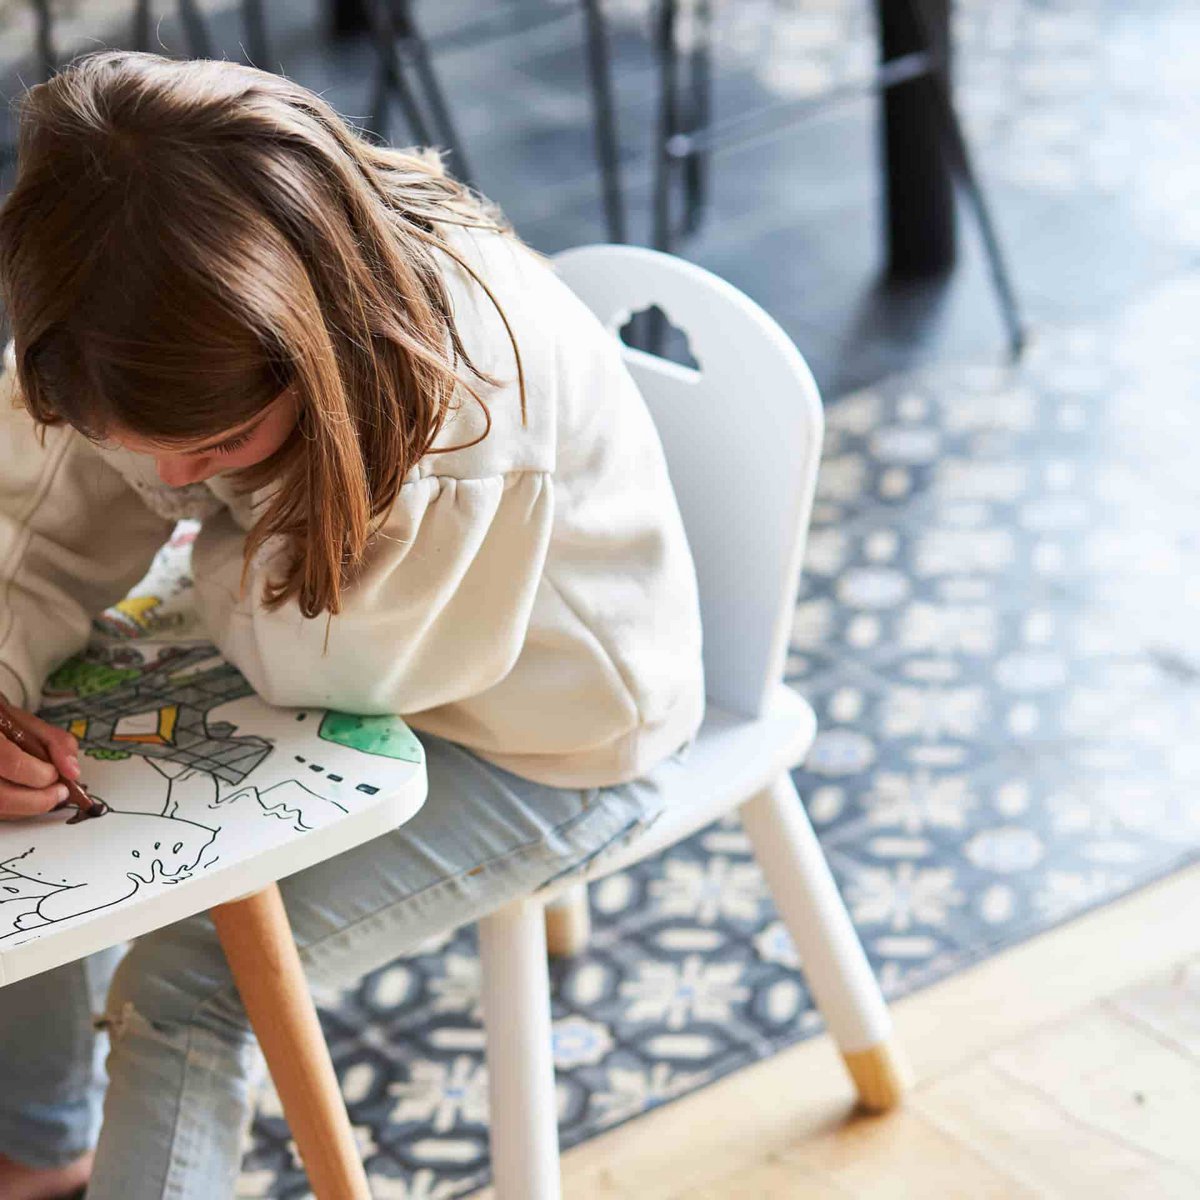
x=215, y=796
x=185, y=833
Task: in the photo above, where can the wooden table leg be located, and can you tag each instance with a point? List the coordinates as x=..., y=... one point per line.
x=258, y=943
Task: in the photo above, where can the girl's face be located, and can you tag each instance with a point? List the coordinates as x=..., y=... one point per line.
x=245, y=445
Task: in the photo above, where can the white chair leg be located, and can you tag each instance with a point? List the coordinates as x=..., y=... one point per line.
x=831, y=955
x=568, y=923
x=516, y=1018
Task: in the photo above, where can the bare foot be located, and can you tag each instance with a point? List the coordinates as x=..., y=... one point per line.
x=19, y=1182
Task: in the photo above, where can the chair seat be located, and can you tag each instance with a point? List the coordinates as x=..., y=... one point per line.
x=732, y=759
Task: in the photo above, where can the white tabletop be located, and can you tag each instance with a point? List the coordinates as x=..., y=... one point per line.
x=213, y=793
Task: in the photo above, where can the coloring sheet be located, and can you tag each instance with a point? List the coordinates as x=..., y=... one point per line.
x=196, y=770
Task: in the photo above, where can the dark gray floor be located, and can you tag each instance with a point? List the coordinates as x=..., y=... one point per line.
x=795, y=221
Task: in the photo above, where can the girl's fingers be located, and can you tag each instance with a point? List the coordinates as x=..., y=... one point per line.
x=18, y=767
x=27, y=802
x=63, y=747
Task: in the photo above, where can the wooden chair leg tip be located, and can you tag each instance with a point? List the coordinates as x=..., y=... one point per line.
x=568, y=929
x=881, y=1076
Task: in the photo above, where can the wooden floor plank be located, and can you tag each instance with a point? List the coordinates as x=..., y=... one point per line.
x=773, y=1179
x=1111, y=1076
x=715, y=1132
x=1049, y=1150
x=764, y=1118
x=1168, y=1005
x=1047, y=978
x=902, y=1157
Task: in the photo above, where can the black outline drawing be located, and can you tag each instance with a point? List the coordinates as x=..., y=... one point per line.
x=173, y=784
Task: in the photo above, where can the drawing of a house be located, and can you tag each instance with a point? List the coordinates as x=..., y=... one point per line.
x=155, y=727
x=158, y=707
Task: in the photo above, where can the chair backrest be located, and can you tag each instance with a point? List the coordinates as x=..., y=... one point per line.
x=742, y=436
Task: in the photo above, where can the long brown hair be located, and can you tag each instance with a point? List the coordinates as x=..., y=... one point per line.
x=186, y=239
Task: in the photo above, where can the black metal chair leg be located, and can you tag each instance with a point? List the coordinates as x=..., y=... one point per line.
x=400, y=45
x=682, y=114
x=961, y=157
x=960, y=160
x=397, y=82
x=380, y=121
x=604, y=118
x=663, y=237
x=258, y=46
x=47, y=58
x=140, y=33
x=647, y=331
x=434, y=98
x=391, y=78
x=699, y=117
x=196, y=31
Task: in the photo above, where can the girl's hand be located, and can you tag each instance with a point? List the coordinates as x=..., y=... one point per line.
x=27, y=784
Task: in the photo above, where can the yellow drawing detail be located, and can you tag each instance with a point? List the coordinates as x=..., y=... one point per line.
x=167, y=719
x=138, y=609
x=78, y=727
x=156, y=728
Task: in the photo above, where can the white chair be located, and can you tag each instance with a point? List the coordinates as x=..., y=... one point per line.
x=742, y=437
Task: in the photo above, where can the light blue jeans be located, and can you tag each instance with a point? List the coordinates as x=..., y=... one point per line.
x=182, y=1062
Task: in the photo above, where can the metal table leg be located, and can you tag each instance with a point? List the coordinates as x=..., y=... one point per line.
x=919, y=187
x=347, y=17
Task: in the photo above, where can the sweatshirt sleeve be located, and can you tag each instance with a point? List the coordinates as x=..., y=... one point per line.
x=74, y=538
x=438, y=614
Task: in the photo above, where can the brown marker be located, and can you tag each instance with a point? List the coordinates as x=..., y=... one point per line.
x=32, y=744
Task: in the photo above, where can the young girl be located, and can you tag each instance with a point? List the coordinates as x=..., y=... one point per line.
x=427, y=487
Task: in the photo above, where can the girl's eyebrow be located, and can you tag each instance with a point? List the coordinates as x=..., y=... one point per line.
x=229, y=437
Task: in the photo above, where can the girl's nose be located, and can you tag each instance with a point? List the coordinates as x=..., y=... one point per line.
x=178, y=471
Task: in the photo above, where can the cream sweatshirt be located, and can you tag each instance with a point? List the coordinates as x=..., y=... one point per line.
x=532, y=597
